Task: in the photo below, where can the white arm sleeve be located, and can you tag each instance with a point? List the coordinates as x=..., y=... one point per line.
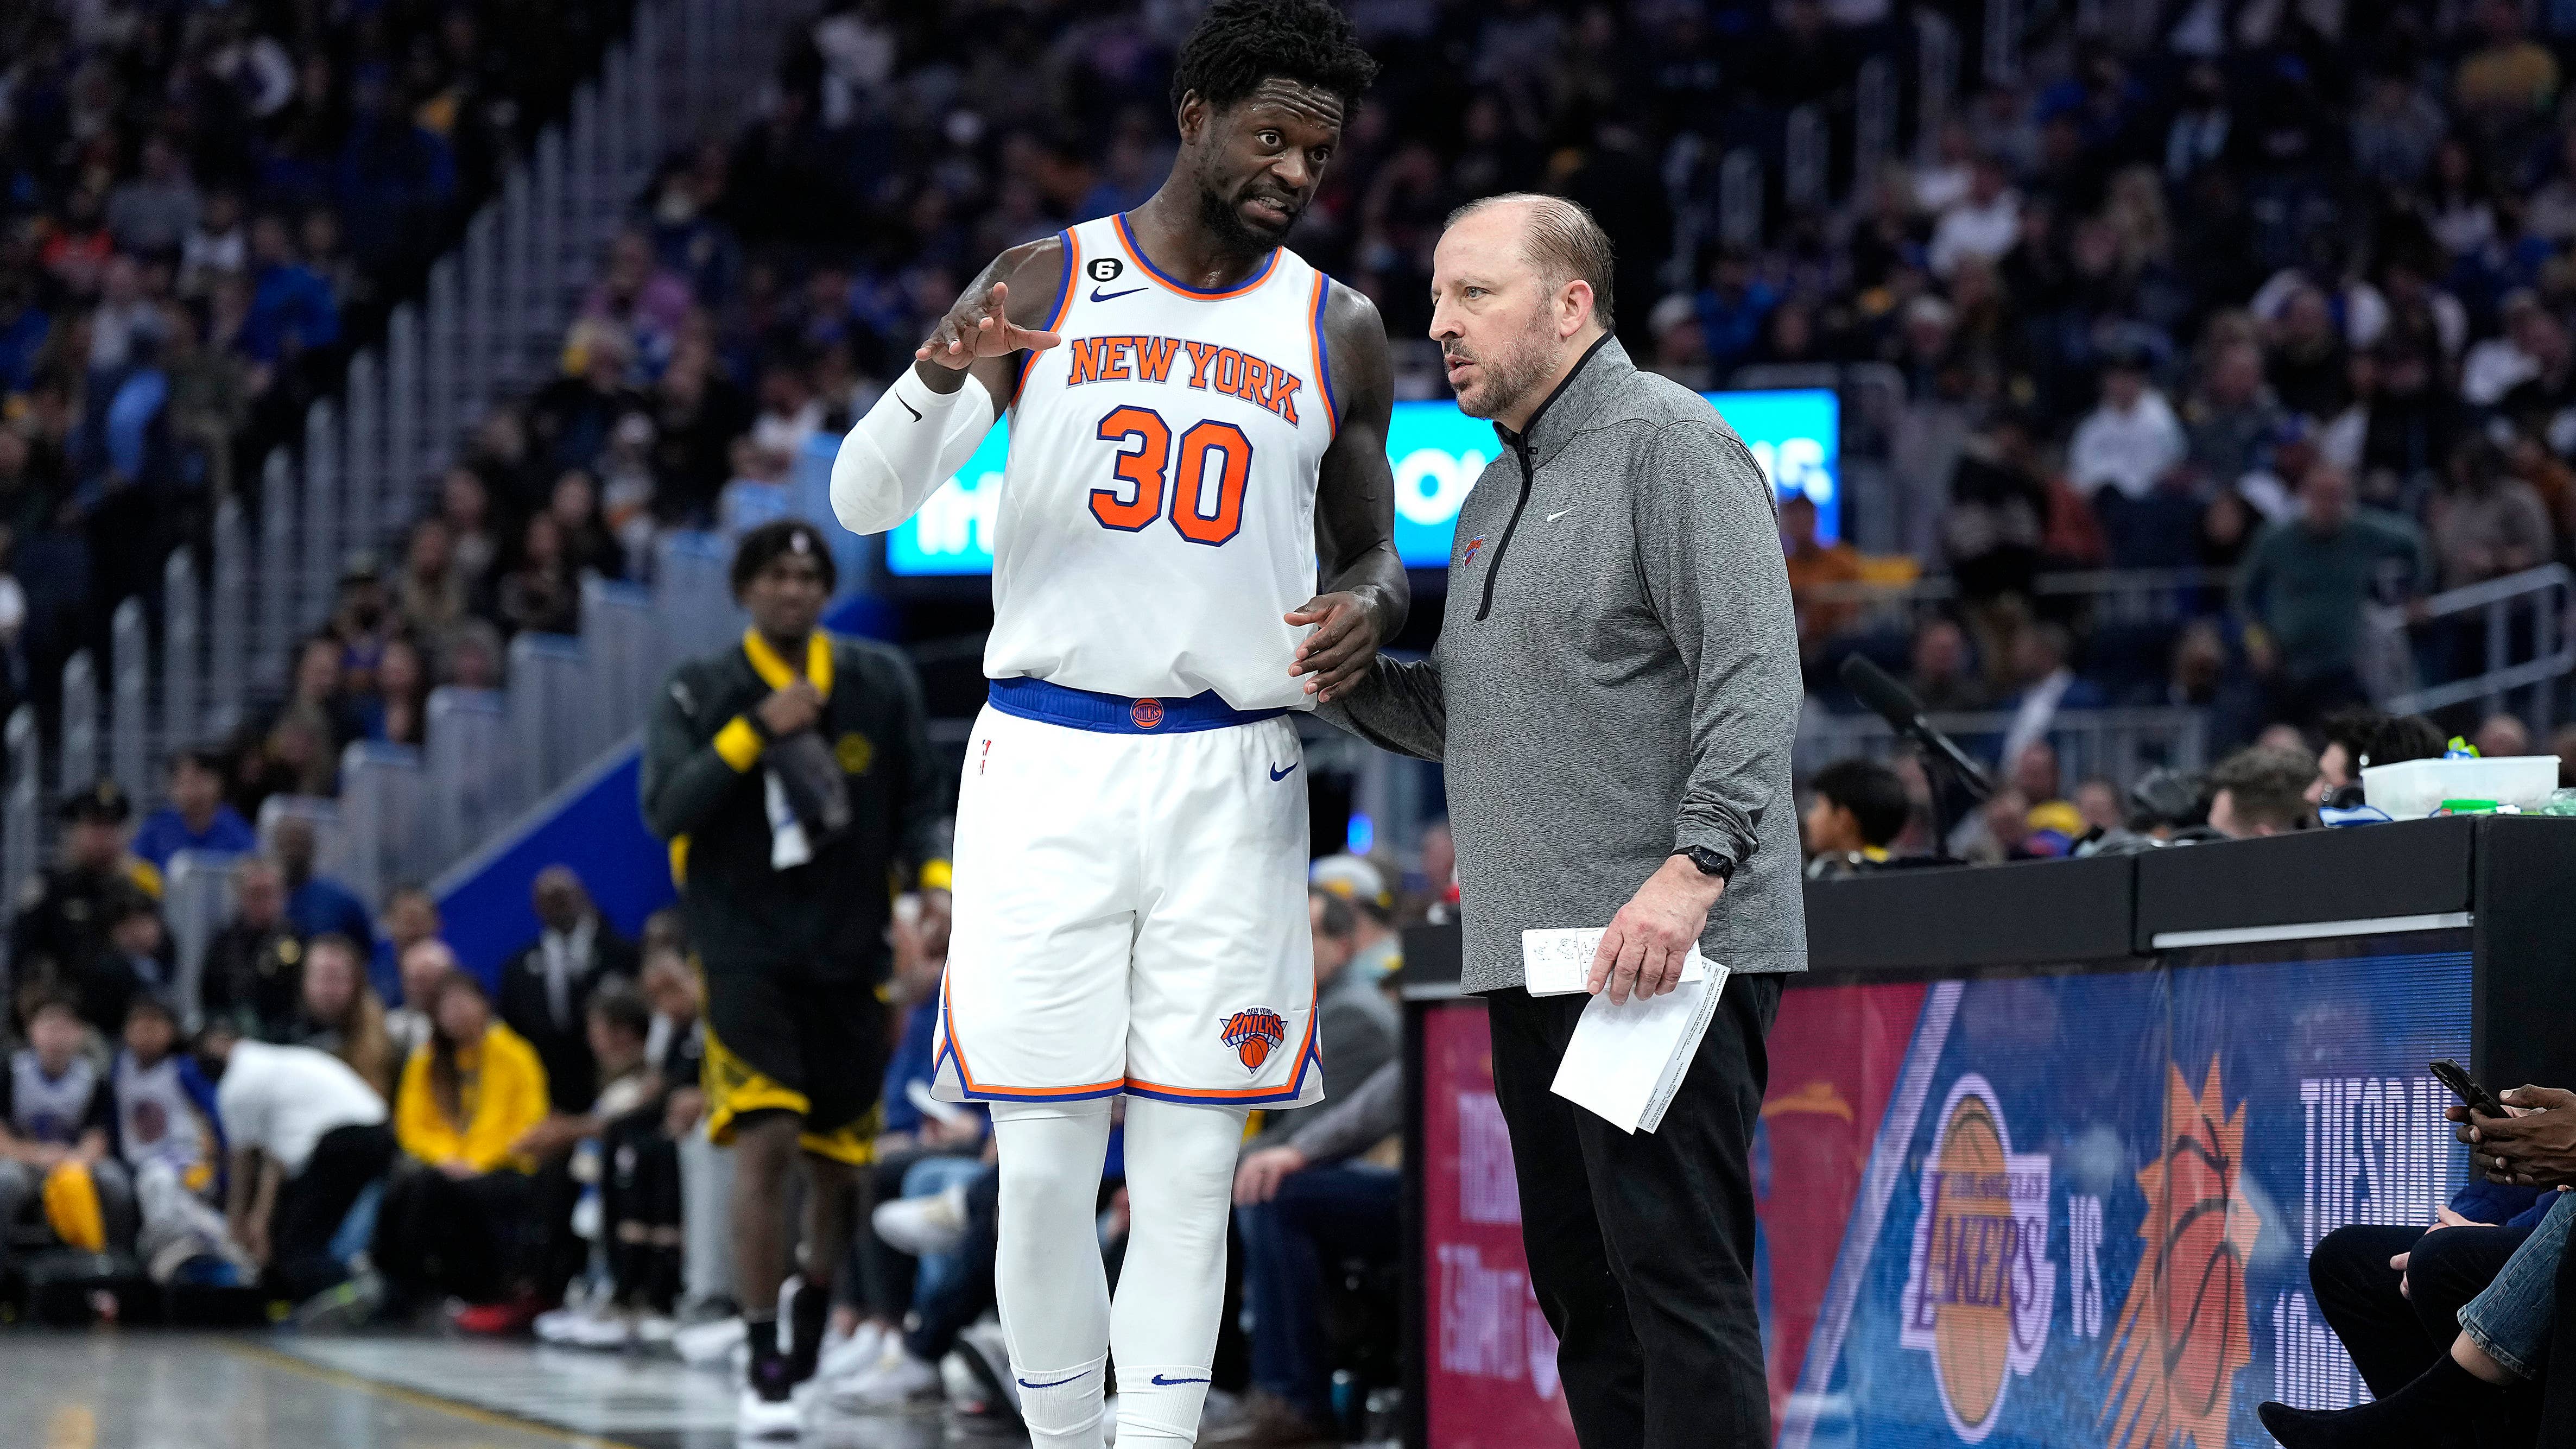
x=912, y=441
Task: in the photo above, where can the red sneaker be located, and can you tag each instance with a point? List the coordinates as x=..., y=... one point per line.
x=507, y=1319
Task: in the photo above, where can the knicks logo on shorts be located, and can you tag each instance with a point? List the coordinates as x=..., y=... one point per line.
x=1255, y=1033
x=1147, y=713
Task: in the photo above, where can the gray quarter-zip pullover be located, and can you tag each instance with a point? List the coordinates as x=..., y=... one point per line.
x=1616, y=678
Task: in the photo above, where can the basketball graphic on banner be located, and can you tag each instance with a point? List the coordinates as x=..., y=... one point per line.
x=2184, y=1332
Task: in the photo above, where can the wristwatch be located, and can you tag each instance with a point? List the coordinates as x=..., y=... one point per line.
x=1710, y=862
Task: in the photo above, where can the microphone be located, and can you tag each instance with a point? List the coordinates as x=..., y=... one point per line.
x=1896, y=704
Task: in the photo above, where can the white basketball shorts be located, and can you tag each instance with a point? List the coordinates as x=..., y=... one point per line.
x=1130, y=905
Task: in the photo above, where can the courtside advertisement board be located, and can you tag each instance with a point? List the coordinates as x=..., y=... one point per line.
x=2025, y=1212
x=1436, y=452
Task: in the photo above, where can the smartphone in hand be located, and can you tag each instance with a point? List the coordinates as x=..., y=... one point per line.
x=2456, y=1077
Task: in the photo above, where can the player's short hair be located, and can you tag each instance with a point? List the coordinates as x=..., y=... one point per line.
x=344, y=944
x=1871, y=792
x=767, y=542
x=1336, y=920
x=2268, y=784
x=621, y=1007
x=1241, y=43
x=43, y=1000
x=2371, y=737
x=147, y=1004
x=1562, y=241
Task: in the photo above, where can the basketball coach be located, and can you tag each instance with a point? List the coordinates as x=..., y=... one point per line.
x=1613, y=692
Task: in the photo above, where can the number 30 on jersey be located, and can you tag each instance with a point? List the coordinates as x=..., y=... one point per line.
x=1206, y=480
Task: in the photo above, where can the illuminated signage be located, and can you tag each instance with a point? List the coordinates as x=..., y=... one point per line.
x=1437, y=453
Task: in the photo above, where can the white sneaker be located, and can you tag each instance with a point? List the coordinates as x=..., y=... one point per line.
x=853, y=1355
x=710, y=1344
x=922, y=1225
x=756, y=1418
x=599, y=1326
x=610, y=1330
x=891, y=1382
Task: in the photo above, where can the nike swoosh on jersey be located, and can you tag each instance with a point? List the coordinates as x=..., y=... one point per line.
x=1114, y=296
x=1161, y=1382
x=1553, y=517
x=1059, y=1383
x=907, y=407
x=1277, y=774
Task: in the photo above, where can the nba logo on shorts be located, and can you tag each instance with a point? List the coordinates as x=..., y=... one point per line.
x=1254, y=1033
x=1147, y=713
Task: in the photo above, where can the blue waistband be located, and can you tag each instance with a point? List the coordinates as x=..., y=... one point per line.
x=1116, y=714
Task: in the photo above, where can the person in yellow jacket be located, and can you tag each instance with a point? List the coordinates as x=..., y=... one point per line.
x=460, y=1221
x=471, y=1091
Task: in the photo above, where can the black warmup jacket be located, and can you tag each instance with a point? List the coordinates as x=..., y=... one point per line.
x=703, y=792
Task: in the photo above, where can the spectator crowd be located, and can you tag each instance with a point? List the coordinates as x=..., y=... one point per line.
x=332, y=1113
x=2277, y=298
x=202, y=209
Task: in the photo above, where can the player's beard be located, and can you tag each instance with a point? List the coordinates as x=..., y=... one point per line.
x=1224, y=219
x=1506, y=375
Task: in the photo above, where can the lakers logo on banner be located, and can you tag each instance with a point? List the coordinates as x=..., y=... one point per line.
x=1979, y=1287
x=2184, y=1331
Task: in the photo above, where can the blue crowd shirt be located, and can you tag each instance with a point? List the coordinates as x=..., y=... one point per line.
x=165, y=833
x=322, y=905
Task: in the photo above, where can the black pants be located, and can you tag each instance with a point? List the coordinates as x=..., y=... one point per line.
x=876, y=1279
x=1641, y=1246
x=477, y=1238
x=311, y=1204
x=2392, y=1337
x=639, y=1197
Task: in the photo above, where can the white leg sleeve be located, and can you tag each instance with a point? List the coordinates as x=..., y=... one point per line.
x=1054, y=1292
x=912, y=441
x=1180, y=1184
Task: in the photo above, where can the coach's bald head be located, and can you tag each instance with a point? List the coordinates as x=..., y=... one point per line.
x=1520, y=291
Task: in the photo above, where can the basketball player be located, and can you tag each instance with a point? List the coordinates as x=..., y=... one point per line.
x=1197, y=416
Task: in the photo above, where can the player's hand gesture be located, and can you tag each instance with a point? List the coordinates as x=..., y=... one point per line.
x=1338, y=652
x=980, y=327
x=791, y=709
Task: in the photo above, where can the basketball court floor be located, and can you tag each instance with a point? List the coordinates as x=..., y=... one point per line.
x=147, y=1390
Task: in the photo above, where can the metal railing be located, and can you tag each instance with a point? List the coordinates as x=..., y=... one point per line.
x=2124, y=596
x=2119, y=744
x=2523, y=614
x=196, y=900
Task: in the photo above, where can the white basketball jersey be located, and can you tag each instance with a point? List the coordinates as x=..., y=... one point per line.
x=1158, y=511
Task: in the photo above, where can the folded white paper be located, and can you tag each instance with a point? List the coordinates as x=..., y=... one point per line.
x=1626, y=1062
x=1559, y=962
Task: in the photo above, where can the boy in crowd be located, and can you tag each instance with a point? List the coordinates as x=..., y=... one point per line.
x=636, y=1172
x=196, y=817
x=1858, y=807
x=55, y=1114
x=163, y=1126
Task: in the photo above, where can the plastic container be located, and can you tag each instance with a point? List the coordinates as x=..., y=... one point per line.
x=2413, y=789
